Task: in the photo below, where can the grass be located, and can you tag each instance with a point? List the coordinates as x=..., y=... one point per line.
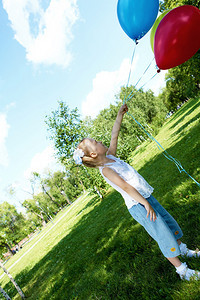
x=97, y=251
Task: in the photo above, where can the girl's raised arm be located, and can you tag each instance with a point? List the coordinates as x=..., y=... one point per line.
x=115, y=130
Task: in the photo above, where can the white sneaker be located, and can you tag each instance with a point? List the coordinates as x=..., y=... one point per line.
x=187, y=252
x=187, y=274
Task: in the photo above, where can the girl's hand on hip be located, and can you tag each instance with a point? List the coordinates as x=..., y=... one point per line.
x=150, y=212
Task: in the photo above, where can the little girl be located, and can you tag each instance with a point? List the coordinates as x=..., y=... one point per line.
x=136, y=192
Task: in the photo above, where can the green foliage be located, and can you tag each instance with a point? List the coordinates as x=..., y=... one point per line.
x=57, y=188
x=32, y=208
x=65, y=129
x=170, y=4
x=13, y=226
x=57, y=192
x=182, y=82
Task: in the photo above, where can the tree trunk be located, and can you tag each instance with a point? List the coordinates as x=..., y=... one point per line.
x=66, y=197
x=8, y=248
x=40, y=216
x=4, y=293
x=98, y=192
x=13, y=281
x=43, y=220
x=50, y=197
x=81, y=182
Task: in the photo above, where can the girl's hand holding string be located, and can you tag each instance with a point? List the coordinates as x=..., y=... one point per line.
x=115, y=130
x=123, y=109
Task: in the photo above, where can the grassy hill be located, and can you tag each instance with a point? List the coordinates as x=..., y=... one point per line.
x=95, y=250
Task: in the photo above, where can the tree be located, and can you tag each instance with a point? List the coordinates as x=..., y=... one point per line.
x=76, y=178
x=65, y=129
x=56, y=185
x=4, y=243
x=13, y=281
x=13, y=226
x=33, y=208
x=4, y=293
x=169, y=4
x=45, y=188
x=182, y=82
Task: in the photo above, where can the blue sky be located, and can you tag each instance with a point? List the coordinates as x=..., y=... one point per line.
x=70, y=50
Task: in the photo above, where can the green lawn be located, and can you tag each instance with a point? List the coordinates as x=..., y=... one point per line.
x=95, y=250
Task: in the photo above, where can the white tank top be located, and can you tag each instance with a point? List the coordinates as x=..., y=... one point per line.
x=131, y=176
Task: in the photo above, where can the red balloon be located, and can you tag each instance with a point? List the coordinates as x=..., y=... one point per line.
x=177, y=37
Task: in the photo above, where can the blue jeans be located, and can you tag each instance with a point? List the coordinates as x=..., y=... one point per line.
x=165, y=230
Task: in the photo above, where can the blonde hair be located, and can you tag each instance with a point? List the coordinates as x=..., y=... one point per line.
x=87, y=160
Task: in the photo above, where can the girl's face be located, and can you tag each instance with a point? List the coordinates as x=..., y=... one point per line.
x=97, y=147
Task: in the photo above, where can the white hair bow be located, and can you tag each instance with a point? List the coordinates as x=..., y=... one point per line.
x=77, y=156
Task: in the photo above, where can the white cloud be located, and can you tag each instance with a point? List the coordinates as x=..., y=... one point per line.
x=44, y=33
x=43, y=162
x=4, y=127
x=105, y=86
x=10, y=106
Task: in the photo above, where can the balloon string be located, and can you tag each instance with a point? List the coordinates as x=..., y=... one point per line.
x=149, y=80
x=124, y=100
x=168, y=156
x=131, y=65
x=144, y=72
x=160, y=147
x=132, y=94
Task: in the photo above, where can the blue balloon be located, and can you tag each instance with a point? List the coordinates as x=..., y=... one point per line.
x=136, y=17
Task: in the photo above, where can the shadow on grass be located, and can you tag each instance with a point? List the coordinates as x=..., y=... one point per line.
x=179, y=194
x=186, y=124
x=106, y=256
x=94, y=200
x=185, y=110
x=186, y=150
